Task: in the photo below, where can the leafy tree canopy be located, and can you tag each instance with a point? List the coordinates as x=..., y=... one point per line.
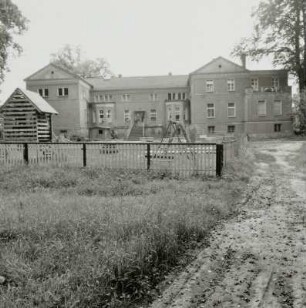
x=72, y=58
x=12, y=23
x=278, y=32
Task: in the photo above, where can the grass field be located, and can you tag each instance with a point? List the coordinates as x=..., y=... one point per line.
x=84, y=237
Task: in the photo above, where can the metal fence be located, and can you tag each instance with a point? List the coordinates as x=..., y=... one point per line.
x=178, y=158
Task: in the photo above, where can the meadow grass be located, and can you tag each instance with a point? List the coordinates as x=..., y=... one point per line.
x=81, y=237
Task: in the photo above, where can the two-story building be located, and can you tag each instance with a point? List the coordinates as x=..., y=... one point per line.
x=219, y=98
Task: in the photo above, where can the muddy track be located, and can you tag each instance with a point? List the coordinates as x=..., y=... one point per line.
x=257, y=259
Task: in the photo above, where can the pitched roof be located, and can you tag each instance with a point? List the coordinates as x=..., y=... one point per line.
x=226, y=66
x=40, y=104
x=146, y=82
x=59, y=68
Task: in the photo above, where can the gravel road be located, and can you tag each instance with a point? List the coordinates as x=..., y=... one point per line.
x=258, y=258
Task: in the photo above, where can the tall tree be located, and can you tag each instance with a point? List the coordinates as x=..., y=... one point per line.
x=278, y=32
x=12, y=24
x=72, y=58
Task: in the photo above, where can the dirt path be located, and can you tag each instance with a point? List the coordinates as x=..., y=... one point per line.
x=257, y=259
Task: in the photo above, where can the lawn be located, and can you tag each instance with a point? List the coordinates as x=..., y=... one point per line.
x=88, y=237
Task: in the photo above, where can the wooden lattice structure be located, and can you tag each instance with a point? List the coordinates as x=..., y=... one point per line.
x=27, y=117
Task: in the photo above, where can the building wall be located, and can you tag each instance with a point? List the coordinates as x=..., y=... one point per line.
x=220, y=97
x=68, y=107
x=79, y=111
x=245, y=102
x=140, y=100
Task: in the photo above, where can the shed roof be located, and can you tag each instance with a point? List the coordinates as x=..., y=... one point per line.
x=145, y=82
x=40, y=104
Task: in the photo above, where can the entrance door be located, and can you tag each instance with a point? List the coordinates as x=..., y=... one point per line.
x=139, y=118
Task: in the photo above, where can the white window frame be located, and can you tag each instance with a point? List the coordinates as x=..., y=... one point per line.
x=127, y=116
x=275, y=83
x=255, y=84
x=231, y=108
x=210, y=87
x=153, y=115
x=177, y=112
x=43, y=92
x=279, y=108
x=231, y=85
x=125, y=97
x=109, y=115
x=211, y=109
x=153, y=97
x=231, y=129
x=277, y=127
x=169, y=113
x=259, y=113
x=101, y=115
x=211, y=129
x=63, y=90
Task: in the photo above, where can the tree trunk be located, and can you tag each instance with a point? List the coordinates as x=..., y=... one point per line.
x=304, y=27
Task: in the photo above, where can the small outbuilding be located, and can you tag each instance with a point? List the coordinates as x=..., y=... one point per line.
x=27, y=117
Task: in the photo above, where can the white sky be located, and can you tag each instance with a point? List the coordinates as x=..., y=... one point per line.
x=137, y=37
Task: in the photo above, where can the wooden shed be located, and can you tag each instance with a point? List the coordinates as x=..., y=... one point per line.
x=27, y=117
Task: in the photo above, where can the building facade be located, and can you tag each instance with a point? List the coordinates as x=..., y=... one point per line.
x=219, y=98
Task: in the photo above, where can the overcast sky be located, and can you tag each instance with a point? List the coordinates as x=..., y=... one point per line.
x=137, y=37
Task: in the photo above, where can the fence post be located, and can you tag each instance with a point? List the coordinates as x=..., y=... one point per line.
x=26, y=153
x=84, y=155
x=148, y=156
x=219, y=159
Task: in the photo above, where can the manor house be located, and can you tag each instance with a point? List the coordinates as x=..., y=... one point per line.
x=221, y=97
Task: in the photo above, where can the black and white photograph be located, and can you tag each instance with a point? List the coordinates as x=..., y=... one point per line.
x=152, y=153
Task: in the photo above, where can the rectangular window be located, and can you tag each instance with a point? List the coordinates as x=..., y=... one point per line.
x=275, y=83
x=153, y=97
x=231, y=110
x=43, y=92
x=231, y=85
x=109, y=115
x=261, y=108
x=184, y=95
x=106, y=97
x=169, y=113
x=231, y=129
x=209, y=86
x=173, y=96
x=62, y=91
x=153, y=115
x=254, y=84
x=277, y=127
x=211, y=129
x=101, y=115
x=210, y=110
x=127, y=116
x=169, y=96
x=125, y=97
x=100, y=132
x=177, y=113
x=277, y=108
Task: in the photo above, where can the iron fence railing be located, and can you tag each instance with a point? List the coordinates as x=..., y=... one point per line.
x=178, y=158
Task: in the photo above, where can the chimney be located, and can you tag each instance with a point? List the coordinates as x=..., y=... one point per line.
x=169, y=74
x=243, y=60
x=119, y=76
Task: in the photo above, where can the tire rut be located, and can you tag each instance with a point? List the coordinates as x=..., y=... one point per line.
x=257, y=259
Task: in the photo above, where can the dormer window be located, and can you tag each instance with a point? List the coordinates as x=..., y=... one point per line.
x=62, y=91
